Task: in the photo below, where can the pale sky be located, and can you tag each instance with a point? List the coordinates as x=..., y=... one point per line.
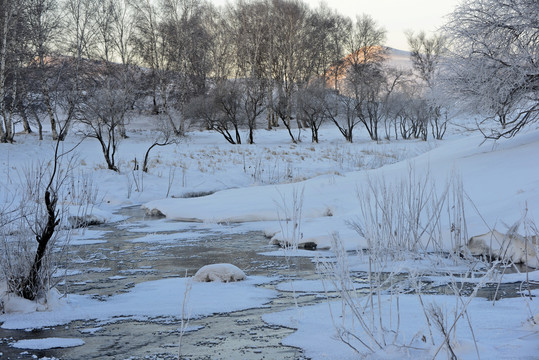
x=395, y=16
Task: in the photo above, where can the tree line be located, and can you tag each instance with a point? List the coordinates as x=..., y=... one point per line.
x=271, y=62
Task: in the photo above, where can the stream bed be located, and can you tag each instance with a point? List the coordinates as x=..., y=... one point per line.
x=127, y=253
x=141, y=249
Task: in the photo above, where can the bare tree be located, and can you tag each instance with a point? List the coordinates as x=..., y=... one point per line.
x=251, y=42
x=364, y=76
x=328, y=36
x=12, y=59
x=341, y=110
x=289, y=50
x=220, y=54
x=147, y=43
x=45, y=26
x=394, y=79
x=108, y=92
x=494, y=63
x=104, y=110
x=165, y=137
x=228, y=99
x=203, y=109
x=313, y=105
x=252, y=103
x=81, y=38
x=208, y=110
x=186, y=52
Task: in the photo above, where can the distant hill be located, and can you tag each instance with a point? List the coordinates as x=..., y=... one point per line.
x=395, y=58
x=399, y=58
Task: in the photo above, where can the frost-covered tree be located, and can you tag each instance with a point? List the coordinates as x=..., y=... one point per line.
x=30, y=227
x=426, y=54
x=494, y=65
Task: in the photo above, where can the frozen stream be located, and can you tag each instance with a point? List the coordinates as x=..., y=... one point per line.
x=115, y=261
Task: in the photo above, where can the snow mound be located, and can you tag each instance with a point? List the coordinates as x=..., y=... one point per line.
x=94, y=216
x=513, y=247
x=219, y=273
x=47, y=343
x=11, y=303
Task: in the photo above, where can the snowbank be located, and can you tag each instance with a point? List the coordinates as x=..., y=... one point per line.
x=219, y=273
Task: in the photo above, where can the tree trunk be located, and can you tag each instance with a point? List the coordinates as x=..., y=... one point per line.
x=3, y=54
x=31, y=284
x=50, y=111
x=25, y=123
x=251, y=136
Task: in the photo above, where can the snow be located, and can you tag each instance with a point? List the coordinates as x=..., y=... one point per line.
x=13, y=304
x=84, y=236
x=166, y=238
x=65, y=272
x=219, y=273
x=314, y=286
x=91, y=330
x=47, y=343
x=316, y=331
x=514, y=247
x=147, y=300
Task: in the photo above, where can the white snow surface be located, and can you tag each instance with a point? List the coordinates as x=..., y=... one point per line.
x=219, y=273
x=160, y=298
x=47, y=343
x=513, y=247
x=314, y=286
x=503, y=330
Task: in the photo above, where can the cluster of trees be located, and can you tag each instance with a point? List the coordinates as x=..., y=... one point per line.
x=494, y=63
x=96, y=61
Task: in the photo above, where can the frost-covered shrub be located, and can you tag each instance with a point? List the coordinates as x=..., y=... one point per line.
x=411, y=215
x=32, y=221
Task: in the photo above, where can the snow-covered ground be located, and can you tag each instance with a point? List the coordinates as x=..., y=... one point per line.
x=503, y=330
x=152, y=299
x=298, y=194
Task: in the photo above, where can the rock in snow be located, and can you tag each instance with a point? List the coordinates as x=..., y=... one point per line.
x=219, y=273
